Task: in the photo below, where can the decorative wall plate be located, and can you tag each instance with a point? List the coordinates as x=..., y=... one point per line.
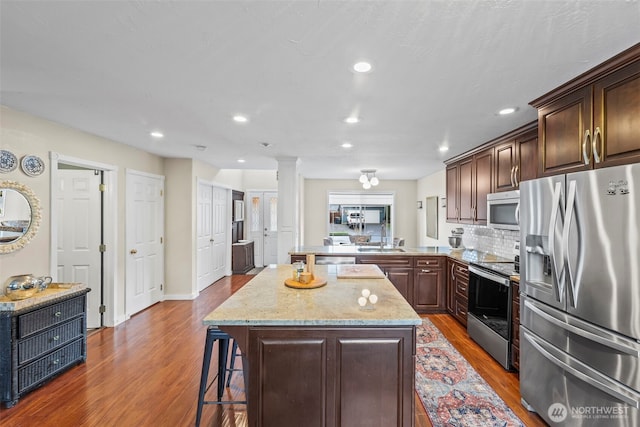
x=8, y=161
x=32, y=165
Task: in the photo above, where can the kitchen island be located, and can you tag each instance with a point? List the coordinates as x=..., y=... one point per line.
x=314, y=357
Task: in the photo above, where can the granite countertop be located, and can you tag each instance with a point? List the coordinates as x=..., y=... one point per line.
x=266, y=301
x=464, y=255
x=53, y=291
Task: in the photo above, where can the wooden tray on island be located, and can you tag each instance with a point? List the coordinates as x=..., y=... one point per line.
x=359, y=271
x=317, y=282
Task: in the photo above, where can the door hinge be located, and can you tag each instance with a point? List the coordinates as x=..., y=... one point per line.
x=103, y=309
x=161, y=240
x=103, y=248
x=102, y=187
x=161, y=193
x=161, y=286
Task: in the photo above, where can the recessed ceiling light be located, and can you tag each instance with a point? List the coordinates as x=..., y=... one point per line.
x=347, y=145
x=443, y=148
x=240, y=119
x=506, y=111
x=351, y=120
x=362, y=67
x=200, y=147
x=241, y=160
x=157, y=134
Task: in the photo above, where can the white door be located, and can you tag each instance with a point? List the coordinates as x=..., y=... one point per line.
x=263, y=226
x=221, y=227
x=79, y=224
x=211, y=234
x=144, y=241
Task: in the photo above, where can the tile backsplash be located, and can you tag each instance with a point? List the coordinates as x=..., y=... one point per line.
x=499, y=242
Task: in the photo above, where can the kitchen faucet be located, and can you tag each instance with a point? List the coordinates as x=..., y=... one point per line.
x=383, y=235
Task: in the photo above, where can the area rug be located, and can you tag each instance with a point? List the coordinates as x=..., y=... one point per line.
x=452, y=392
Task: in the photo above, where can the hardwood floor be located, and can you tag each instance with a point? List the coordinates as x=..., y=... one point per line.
x=146, y=372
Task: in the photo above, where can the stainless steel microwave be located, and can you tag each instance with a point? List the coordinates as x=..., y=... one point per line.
x=503, y=210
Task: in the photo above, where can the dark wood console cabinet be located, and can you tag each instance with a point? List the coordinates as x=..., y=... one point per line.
x=458, y=290
x=242, y=257
x=39, y=343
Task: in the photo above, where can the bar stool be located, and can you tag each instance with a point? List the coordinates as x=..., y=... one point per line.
x=214, y=334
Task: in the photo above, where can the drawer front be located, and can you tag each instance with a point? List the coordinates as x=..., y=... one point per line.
x=386, y=261
x=460, y=310
x=31, y=375
x=462, y=287
x=37, y=320
x=433, y=262
x=461, y=272
x=35, y=345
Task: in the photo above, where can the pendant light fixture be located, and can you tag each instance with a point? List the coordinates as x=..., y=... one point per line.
x=368, y=178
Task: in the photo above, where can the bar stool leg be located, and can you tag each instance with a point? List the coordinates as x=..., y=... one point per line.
x=223, y=350
x=234, y=354
x=206, y=362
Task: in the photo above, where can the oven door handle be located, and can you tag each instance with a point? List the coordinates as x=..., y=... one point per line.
x=493, y=277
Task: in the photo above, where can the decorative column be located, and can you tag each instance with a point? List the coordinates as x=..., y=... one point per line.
x=288, y=206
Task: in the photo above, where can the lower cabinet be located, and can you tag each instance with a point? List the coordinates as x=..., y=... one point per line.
x=429, y=290
x=39, y=343
x=458, y=290
x=242, y=257
x=331, y=376
x=398, y=269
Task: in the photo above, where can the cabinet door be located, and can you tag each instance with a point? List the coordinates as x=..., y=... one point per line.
x=402, y=279
x=428, y=290
x=561, y=128
x=467, y=201
x=483, y=184
x=527, y=159
x=506, y=157
x=616, y=118
x=453, y=193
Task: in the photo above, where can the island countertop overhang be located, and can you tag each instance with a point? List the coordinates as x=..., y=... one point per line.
x=266, y=301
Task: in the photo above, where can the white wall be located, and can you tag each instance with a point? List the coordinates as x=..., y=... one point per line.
x=316, y=213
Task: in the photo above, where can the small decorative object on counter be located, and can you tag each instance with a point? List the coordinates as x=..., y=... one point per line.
x=298, y=268
x=368, y=300
x=311, y=263
x=25, y=286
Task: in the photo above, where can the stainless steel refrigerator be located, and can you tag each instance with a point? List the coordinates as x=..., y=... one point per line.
x=580, y=297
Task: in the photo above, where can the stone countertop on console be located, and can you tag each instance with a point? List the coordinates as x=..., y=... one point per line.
x=53, y=291
x=464, y=255
x=266, y=301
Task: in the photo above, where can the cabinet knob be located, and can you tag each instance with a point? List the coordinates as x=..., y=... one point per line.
x=133, y=251
x=57, y=314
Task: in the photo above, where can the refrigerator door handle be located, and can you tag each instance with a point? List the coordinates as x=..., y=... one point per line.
x=518, y=213
x=635, y=352
x=573, y=284
x=555, y=211
x=594, y=378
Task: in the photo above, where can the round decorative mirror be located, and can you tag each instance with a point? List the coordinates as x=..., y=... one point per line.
x=19, y=216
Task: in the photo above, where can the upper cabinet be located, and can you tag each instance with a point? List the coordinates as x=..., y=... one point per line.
x=516, y=157
x=469, y=180
x=592, y=121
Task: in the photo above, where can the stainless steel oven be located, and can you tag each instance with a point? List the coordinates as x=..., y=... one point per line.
x=489, y=311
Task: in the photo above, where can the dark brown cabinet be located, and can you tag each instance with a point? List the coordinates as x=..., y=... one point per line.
x=592, y=121
x=398, y=269
x=516, y=158
x=429, y=289
x=331, y=376
x=242, y=259
x=457, y=290
x=469, y=180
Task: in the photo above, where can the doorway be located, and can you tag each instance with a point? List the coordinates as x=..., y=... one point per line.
x=263, y=226
x=83, y=249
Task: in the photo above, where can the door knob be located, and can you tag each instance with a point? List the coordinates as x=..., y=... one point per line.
x=133, y=251
x=211, y=240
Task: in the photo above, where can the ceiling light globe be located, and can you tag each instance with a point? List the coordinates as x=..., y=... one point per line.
x=362, y=67
x=366, y=185
x=363, y=179
x=374, y=181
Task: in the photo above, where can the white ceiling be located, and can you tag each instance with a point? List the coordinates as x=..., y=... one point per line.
x=442, y=69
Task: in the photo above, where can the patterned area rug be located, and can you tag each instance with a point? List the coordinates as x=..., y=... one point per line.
x=452, y=392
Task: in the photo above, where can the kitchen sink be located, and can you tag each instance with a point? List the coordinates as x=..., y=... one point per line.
x=377, y=249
